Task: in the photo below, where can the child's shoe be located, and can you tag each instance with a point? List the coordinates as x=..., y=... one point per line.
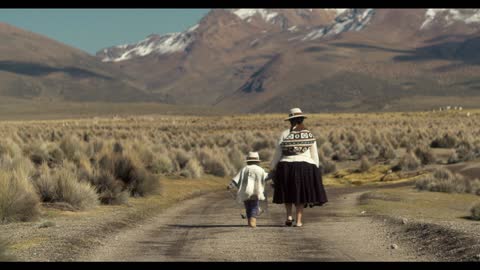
x=252, y=222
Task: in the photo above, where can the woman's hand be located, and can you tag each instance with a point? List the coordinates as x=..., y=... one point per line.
x=230, y=186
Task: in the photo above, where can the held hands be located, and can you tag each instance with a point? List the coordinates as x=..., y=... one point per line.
x=271, y=175
x=230, y=186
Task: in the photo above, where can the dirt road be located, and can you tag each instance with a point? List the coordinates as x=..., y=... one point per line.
x=209, y=228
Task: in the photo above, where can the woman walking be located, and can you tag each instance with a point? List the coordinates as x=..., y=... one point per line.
x=297, y=177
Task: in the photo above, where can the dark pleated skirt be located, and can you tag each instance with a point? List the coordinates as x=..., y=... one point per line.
x=298, y=183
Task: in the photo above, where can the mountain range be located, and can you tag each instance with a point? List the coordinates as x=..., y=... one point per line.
x=266, y=60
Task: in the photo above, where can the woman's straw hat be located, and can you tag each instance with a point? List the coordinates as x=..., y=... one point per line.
x=253, y=156
x=294, y=113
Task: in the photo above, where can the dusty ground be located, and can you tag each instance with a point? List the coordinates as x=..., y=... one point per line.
x=209, y=228
x=64, y=235
x=435, y=222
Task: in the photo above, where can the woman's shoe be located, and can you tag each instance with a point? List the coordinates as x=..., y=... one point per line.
x=289, y=222
x=298, y=225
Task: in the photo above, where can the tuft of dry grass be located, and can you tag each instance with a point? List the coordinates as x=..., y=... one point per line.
x=193, y=169
x=10, y=148
x=110, y=190
x=80, y=195
x=18, y=200
x=3, y=251
x=181, y=157
x=162, y=164
x=266, y=154
x=475, y=212
x=62, y=185
x=327, y=149
x=409, y=162
x=365, y=164
x=341, y=153
x=212, y=162
x=447, y=141
x=327, y=166
x=71, y=147
x=443, y=180
x=237, y=158
x=425, y=155
x=136, y=152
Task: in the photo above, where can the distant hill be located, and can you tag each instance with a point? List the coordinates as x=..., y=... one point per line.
x=35, y=67
x=268, y=60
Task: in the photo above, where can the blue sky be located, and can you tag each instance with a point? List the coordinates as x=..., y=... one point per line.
x=94, y=29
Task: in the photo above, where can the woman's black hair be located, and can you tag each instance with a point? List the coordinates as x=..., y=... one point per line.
x=297, y=120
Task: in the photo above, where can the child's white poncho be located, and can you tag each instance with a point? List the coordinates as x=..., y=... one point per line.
x=250, y=181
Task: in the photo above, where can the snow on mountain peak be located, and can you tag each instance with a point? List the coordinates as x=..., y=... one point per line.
x=338, y=10
x=451, y=15
x=347, y=20
x=168, y=43
x=247, y=13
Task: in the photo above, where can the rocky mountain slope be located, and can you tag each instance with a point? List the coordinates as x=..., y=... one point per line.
x=320, y=59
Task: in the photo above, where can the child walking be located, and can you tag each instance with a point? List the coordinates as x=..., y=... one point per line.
x=250, y=182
